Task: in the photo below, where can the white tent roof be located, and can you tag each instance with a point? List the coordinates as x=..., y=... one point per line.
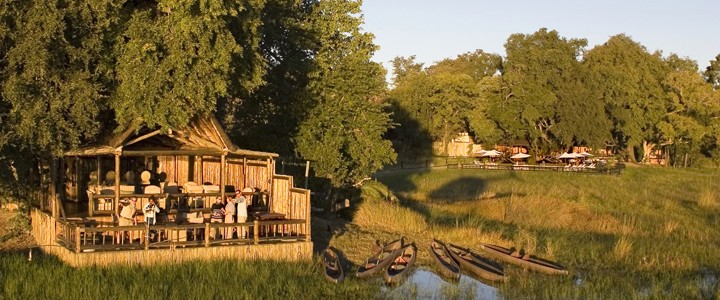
x=520, y=156
x=492, y=153
x=567, y=155
x=585, y=154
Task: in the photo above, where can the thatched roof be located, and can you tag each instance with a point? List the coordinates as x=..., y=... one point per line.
x=202, y=136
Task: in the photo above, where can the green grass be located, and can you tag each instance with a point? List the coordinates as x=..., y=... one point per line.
x=650, y=232
x=47, y=278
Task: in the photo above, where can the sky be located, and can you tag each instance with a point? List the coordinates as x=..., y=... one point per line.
x=435, y=30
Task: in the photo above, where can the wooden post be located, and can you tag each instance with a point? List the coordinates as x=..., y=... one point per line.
x=244, y=172
x=77, y=179
x=307, y=172
x=270, y=172
x=117, y=183
x=256, y=231
x=202, y=171
x=99, y=171
x=53, y=187
x=77, y=239
x=307, y=215
x=207, y=234
x=147, y=236
x=222, y=177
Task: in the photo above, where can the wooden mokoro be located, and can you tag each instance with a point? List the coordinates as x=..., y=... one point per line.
x=401, y=265
x=447, y=265
x=380, y=259
x=529, y=262
x=476, y=264
x=333, y=268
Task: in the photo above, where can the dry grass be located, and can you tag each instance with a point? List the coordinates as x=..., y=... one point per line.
x=623, y=247
x=708, y=199
x=621, y=234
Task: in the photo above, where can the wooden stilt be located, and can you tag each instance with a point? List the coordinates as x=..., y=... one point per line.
x=117, y=183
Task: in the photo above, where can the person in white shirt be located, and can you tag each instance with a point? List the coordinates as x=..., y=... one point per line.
x=229, y=217
x=241, y=212
x=150, y=211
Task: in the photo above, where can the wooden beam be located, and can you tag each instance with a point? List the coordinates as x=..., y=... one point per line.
x=199, y=152
x=244, y=172
x=308, y=228
x=77, y=179
x=202, y=171
x=223, y=175
x=53, y=187
x=143, y=137
x=117, y=183
x=269, y=181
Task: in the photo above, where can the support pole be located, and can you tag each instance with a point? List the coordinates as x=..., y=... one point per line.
x=256, y=232
x=77, y=179
x=207, y=235
x=202, y=171
x=222, y=177
x=307, y=172
x=307, y=216
x=53, y=187
x=99, y=171
x=244, y=172
x=117, y=183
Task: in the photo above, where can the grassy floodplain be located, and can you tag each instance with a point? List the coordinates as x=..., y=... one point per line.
x=649, y=232
x=47, y=278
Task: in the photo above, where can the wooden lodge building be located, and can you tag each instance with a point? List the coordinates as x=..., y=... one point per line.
x=184, y=170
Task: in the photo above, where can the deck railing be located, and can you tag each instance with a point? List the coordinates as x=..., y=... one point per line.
x=104, y=204
x=80, y=238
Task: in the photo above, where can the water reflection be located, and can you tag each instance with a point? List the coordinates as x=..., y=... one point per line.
x=424, y=284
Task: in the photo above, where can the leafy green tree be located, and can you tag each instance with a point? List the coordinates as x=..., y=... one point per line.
x=712, y=72
x=541, y=72
x=478, y=65
x=691, y=120
x=629, y=80
x=404, y=67
x=343, y=130
x=268, y=117
x=177, y=58
x=52, y=88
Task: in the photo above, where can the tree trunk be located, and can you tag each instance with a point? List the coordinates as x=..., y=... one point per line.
x=631, y=153
x=647, y=149
x=685, y=163
x=446, y=137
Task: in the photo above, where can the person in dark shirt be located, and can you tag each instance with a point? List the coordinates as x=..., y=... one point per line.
x=217, y=214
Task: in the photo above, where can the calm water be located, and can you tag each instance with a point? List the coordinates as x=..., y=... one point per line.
x=424, y=284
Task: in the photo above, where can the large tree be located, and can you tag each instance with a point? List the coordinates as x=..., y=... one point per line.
x=543, y=77
x=342, y=132
x=54, y=71
x=630, y=82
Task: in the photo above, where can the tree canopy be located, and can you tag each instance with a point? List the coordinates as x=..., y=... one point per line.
x=292, y=76
x=553, y=93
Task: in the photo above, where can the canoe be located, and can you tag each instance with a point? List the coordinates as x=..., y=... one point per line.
x=380, y=259
x=471, y=262
x=528, y=262
x=401, y=265
x=333, y=269
x=447, y=265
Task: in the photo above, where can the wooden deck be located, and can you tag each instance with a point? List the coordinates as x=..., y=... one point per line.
x=79, y=245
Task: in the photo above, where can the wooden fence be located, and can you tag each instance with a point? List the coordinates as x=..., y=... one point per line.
x=465, y=164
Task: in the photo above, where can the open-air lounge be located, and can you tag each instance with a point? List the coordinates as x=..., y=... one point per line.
x=184, y=171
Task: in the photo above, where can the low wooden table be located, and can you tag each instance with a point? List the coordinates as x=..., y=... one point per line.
x=268, y=215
